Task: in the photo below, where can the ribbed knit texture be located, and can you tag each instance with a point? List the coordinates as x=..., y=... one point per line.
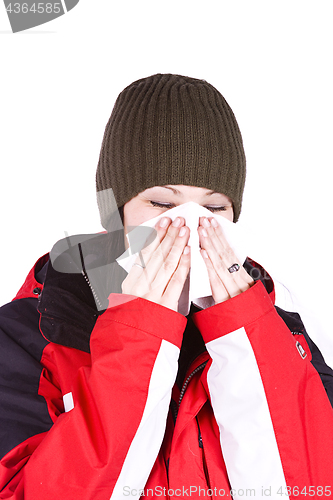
x=170, y=129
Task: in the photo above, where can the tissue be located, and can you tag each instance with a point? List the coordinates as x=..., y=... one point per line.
x=197, y=287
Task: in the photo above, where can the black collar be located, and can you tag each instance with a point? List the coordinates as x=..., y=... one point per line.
x=68, y=307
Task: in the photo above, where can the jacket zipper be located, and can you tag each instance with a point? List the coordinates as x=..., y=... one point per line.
x=87, y=279
x=92, y=290
x=204, y=463
x=185, y=384
x=175, y=408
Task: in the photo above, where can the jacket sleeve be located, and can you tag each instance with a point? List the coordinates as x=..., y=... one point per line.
x=274, y=416
x=111, y=433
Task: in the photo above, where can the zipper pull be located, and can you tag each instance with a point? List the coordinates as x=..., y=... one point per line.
x=199, y=434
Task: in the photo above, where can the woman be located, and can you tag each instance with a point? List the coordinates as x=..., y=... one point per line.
x=107, y=390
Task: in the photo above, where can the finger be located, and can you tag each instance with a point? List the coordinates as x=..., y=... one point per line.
x=166, y=267
x=215, y=229
x=227, y=254
x=161, y=228
x=219, y=241
x=217, y=259
x=176, y=283
x=138, y=279
x=219, y=292
x=144, y=256
x=222, y=258
x=164, y=260
x=160, y=260
x=241, y=276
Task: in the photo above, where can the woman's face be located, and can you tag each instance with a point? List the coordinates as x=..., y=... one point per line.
x=159, y=199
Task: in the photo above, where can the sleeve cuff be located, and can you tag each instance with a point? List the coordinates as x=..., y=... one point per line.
x=147, y=316
x=234, y=313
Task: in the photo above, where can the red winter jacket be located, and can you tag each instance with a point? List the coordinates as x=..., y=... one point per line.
x=90, y=409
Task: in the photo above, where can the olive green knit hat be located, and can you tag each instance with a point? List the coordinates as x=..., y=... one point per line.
x=169, y=129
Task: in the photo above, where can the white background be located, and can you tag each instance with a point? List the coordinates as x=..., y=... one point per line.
x=271, y=60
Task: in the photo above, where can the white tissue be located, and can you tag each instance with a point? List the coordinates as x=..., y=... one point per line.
x=197, y=287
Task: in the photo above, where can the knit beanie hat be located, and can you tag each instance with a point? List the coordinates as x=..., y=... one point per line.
x=169, y=129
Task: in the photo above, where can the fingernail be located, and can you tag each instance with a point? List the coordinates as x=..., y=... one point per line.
x=186, y=250
x=206, y=222
x=205, y=254
x=214, y=223
x=176, y=222
x=163, y=222
x=204, y=232
x=182, y=231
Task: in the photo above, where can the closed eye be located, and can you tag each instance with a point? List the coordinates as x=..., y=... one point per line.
x=217, y=209
x=221, y=208
x=161, y=205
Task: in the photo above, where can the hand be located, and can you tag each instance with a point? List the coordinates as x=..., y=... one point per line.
x=166, y=264
x=219, y=257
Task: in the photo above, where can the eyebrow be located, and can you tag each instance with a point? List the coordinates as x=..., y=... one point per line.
x=176, y=191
